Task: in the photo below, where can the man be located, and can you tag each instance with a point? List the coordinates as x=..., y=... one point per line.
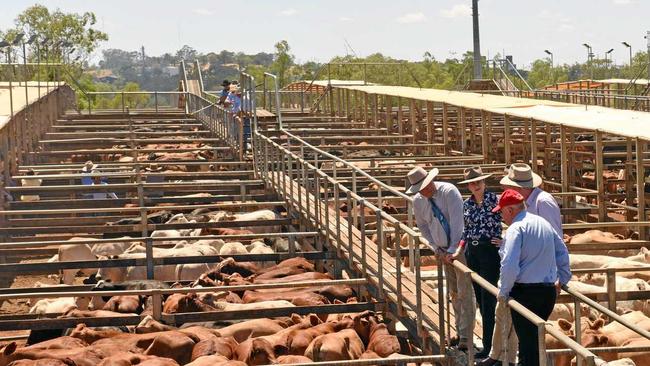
x=97, y=181
x=438, y=208
x=534, y=265
x=224, y=92
x=521, y=178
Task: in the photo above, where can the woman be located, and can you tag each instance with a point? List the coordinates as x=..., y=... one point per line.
x=481, y=240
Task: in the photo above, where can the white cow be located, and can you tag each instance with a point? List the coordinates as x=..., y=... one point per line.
x=53, y=305
x=258, y=247
x=256, y=216
x=78, y=252
x=233, y=248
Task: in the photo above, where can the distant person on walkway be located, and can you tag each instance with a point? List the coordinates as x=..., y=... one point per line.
x=521, y=178
x=158, y=178
x=97, y=180
x=534, y=265
x=30, y=182
x=233, y=101
x=224, y=92
x=482, y=231
x=438, y=209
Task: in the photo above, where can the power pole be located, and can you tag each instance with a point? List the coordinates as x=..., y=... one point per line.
x=143, y=77
x=478, y=69
x=647, y=37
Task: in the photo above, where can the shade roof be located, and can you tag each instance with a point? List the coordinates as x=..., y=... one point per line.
x=616, y=121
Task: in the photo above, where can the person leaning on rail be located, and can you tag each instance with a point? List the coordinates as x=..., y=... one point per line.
x=521, y=178
x=438, y=209
x=482, y=232
x=224, y=92
x=534, y=266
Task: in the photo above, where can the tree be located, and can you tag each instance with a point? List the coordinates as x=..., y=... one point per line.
x=186, y=53
x=63, y=35
x=283, y=60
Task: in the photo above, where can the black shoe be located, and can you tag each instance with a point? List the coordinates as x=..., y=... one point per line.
x=488, y=362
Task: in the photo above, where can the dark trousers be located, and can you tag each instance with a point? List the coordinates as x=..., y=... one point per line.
x=540, y=300
x=484, y=259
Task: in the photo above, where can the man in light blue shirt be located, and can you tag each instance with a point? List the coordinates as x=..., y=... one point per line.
x=438, y=209
x=534, y=264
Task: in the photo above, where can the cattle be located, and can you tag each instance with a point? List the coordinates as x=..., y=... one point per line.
x=190, y=271
x=210, y=360
x=75, y=252
x=256, y=351
x=381, y=341
x=253, y=328
x=343, y=345
x=149, y=325
x=181, y=303
x=297, y=297
x=289, y=359
x=260, y=215
x=258, y=247
x=53, y=305
x=233, y=248
x=125, y=304
x=78, y=356
x=306, y=276
x=222, y=346
x=130, y=358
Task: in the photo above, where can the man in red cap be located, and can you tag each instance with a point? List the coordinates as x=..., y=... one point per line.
x=534, y=264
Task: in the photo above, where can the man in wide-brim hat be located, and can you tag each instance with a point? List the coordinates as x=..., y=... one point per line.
x=522, y=179
x=438, y=209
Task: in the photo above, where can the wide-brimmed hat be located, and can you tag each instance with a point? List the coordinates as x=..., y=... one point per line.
x=473, y=174
x=89, y=166
x=521, y=175
x=225, y=83
x=154, y=167
x=419, y=178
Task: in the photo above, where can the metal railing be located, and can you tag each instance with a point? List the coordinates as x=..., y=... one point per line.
x=302, y=183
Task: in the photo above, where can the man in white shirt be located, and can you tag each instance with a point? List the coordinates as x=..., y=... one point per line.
x=438, y=209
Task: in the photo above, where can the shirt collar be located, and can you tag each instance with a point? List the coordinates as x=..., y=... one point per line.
x=520, y=216
x=533, y=196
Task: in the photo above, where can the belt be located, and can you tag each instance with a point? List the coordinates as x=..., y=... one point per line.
x=537, y=284
x=480, y=241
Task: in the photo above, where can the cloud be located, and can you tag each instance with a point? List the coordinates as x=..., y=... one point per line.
x=202, y=11
x=418, y=17
x=457, y=11
x=288, y=12
x=345, y=19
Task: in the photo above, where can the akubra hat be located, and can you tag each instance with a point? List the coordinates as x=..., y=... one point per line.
x=89, y=166
x=473, y=174
x=521, y=175
x=419, y=178
x=153, y=167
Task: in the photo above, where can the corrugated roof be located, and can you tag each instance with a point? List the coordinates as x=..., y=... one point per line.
x=616, y=121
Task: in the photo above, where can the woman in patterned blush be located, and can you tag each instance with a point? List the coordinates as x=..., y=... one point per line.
x=481, y=238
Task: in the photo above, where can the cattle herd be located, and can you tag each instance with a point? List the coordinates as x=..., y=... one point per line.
x=318, y=336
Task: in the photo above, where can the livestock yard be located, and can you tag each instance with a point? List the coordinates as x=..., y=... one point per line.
x=292, y=241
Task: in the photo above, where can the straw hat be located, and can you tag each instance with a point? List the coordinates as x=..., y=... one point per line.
x=89, y=166
x=419, y=178
x=473, y=174
x=153, y=167
x=521, y=175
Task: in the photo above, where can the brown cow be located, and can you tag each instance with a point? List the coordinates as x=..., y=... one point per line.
x=129, y=358
x=339, y=346
x=208, y=361
x=296, y=297
x=253, y=328
x=90, y=335
x=256, y=351
x=289, y=359
x=307, y=276
x=172, y=346
x=125, y=304
x=181, y=303
x=79, y=356
x=223, y=346
x=381, y=341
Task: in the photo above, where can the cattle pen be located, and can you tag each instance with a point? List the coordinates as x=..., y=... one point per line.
x=328, y=158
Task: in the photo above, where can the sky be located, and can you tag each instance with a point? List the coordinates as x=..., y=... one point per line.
x=320, y=29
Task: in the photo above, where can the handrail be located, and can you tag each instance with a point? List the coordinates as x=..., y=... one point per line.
x=516, y=72
x=278, y=112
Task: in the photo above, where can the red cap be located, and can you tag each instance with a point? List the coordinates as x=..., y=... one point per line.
x=508, y=197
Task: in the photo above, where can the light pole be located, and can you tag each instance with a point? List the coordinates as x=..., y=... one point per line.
x=610, y=58
x=630, y=48
x=7, y=46
x=647, y=36
x=590, y=55
x=550, y=54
